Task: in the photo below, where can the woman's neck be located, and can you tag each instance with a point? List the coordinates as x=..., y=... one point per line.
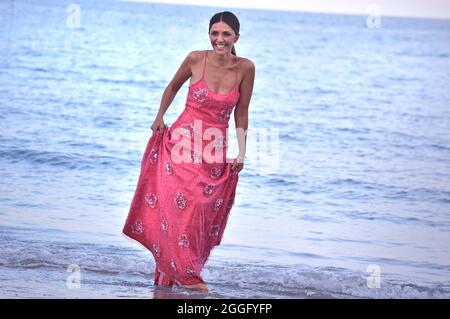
x=222, y=61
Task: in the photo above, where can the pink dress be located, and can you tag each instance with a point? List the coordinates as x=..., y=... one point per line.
x=180, y=207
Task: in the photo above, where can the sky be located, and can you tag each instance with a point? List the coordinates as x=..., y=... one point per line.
x=403, y=8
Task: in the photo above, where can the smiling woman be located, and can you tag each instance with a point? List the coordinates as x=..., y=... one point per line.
x=224, y=31
x=186, y=188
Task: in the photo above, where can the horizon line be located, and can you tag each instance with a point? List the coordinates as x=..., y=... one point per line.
x=354, y=12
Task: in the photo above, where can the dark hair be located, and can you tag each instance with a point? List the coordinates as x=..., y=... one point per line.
x=230, y=19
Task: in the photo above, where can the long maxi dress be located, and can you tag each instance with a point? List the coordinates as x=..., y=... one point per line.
x=184, y=195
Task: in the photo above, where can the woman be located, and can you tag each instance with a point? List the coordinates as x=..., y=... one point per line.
x=187, y=185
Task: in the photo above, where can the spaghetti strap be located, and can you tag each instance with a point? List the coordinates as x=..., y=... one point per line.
x=204, y=64
x=237, y=70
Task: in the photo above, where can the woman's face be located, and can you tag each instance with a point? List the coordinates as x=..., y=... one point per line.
x=222, y=38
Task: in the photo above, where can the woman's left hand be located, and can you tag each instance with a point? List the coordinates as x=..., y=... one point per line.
x=237, y=165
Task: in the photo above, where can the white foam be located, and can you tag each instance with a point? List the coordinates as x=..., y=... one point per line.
x=244, y=280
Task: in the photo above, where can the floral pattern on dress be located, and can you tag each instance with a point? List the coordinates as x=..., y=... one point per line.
x=215, y=172
x=180, y=200
x=209, y=189
x=200, y=94
x=168, y=168
x=153, y=156
x=183, y=241
x=214, y=231
x=137, y=227
x=224, y=114
x=217, y=204
x=164, y=225
x=156, y=249
x=151, y=200
x=190, y=273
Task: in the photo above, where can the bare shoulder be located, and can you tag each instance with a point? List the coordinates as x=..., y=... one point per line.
x=248, y=68
x=247, y=65
x=195, y=56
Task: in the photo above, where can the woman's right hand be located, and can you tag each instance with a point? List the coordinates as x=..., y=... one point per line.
x=158, y=125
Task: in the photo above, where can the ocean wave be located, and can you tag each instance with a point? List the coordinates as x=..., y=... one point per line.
x=247, y=280
x=320, y=282
x=91, y=258
x=66, y=160
x=137, y=83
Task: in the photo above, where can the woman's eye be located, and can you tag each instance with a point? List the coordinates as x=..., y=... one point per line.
x=226, y=34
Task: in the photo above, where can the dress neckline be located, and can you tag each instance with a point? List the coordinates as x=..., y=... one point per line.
x=206, y=84
x=209, y=89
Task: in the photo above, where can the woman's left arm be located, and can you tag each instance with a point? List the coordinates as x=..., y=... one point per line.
x=241, y=110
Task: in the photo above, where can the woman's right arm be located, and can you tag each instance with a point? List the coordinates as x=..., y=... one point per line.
x=183, y=73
